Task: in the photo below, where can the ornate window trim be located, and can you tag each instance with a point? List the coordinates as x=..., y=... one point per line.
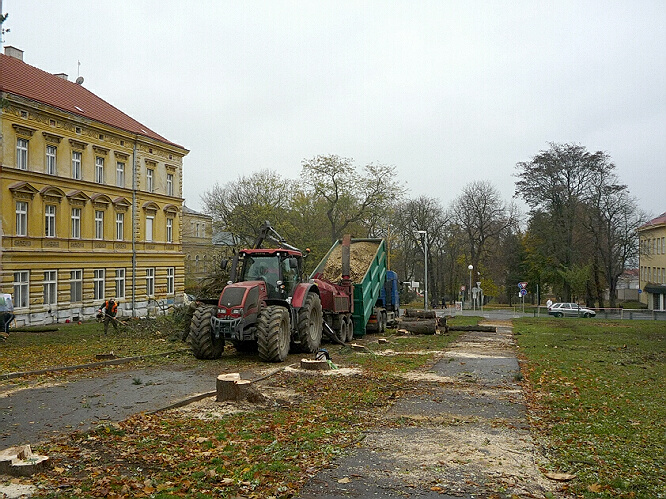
x=102, y=151
x=77, y=198
x=77, y=144
x=24, y=131
x=50, y=137
x=23, y=190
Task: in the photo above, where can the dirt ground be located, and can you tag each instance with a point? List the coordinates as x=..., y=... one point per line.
x=463, y=434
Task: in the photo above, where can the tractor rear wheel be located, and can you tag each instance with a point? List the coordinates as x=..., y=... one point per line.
x=273, y=334
x=204, y=345
x=309, y=324
x=350, y=329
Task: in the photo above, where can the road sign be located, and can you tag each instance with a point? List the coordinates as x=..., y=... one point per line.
x=522, y=285
x=523, y=292
x=462, y=288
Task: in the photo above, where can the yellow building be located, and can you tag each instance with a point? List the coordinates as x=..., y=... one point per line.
x=197, y=246
x=91, y=201
x=652, y=263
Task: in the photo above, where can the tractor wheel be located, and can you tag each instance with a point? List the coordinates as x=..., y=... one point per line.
x=309, y=325
x=350, y=329
x=341, y=330
x=204, y=345
x=273, y=334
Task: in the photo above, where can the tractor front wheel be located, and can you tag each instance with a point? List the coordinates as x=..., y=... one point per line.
x=201, y=339
x=273, y=334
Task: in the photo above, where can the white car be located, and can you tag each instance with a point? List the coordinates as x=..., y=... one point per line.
x=570, y=310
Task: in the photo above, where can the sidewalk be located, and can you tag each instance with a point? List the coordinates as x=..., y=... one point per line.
x=464, y=434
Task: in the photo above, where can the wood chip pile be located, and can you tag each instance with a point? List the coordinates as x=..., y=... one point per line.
x=360, y=255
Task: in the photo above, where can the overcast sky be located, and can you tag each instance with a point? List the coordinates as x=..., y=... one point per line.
x=446, y=91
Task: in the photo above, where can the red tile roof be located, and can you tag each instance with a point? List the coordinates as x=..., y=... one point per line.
x=660, y=220
x=19, y=78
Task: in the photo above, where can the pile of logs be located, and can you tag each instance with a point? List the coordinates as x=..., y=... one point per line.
x=421, y=322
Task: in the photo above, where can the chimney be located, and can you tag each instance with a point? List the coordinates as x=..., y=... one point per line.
x=14, y=52
x=62, y=76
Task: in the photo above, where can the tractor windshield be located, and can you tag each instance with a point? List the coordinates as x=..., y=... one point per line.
x=261, y=268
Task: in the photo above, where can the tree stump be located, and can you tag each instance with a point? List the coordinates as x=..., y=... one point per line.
x=20, y=461
x=230, y=387
x=315, y=365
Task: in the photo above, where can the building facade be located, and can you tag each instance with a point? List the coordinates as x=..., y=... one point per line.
x=652, y=263
x=91, y=204
x=197, y=246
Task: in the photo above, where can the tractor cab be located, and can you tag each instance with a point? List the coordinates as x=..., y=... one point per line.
x=278, y=269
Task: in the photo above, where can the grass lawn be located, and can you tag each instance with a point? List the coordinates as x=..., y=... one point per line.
x=597, y=397
x=31, y=349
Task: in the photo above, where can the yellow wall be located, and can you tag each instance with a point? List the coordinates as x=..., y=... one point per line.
x=42, y=126
x=652, y=264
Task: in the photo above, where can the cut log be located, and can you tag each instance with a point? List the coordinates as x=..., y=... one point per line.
x=422, y=326
x=232, y=387
x=359, y=348
x=420, y=314
x=315, y=365
x=485, y=329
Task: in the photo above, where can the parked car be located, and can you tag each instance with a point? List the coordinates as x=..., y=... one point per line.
x=570, y=310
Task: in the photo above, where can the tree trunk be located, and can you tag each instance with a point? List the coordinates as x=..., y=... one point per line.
x=232, y=387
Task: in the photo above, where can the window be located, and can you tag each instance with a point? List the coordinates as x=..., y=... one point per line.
x=120, y=174
x=22, y=154
x=663, y=248
x=75, y=285
x=196, y=231
x=99, y=170
x=120, y=223
x=76, y=223
x=169, y=230
x=169, y=184
x=98, y=284
x=50, y=220
x=170, y=280
x=149, y=180
x=150, y=282
x=21, y=218
x=149, y=229
x=50, y=287
x=99, y=224
x=76, y=165
x=203, y=230
x=120, y=283
x=51, y=160
x=21, y=289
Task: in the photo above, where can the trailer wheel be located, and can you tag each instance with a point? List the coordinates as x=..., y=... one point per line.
x=310, y=325
x=204, y=345
x=350, y=329
x=381, y=319
x=273, y=334
x=341, y=330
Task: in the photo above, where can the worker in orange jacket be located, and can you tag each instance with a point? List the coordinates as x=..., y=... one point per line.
x=110, y=309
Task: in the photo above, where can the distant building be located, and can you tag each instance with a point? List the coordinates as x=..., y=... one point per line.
x=90, y=203
x=627, y=287
x=652, y=263
x=197, y=245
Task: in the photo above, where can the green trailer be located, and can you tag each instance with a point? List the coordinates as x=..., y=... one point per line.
x=367, y=285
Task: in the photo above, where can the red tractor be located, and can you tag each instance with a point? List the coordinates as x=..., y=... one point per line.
x=266, y=306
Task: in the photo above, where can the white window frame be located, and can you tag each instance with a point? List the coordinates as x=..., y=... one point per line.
x=50, y=220
x=120, y=283
x=21, y=289
x=21, y=218
x=150, y=179
x=50, y=286
x=120, y=174
x=51, y=160
x=150, y=281
x=120, y=226
x=22, y=153
x=98, y=284
x=76, y=165
x=99, y=169
x=76, y=223
x=171, y=280
x=169, y=184
x=76, y=286
x=99, y=224
x=149, y=228
x=169, y=230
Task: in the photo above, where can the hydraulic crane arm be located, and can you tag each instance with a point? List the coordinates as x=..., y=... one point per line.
x=267, y=232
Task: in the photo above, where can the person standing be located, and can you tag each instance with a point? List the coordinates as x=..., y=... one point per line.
x=549, y=303
x=6, y=313
x=110, y=309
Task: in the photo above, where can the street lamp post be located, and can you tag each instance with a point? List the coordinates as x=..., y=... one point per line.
x=425, y=256
x=470, y=268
